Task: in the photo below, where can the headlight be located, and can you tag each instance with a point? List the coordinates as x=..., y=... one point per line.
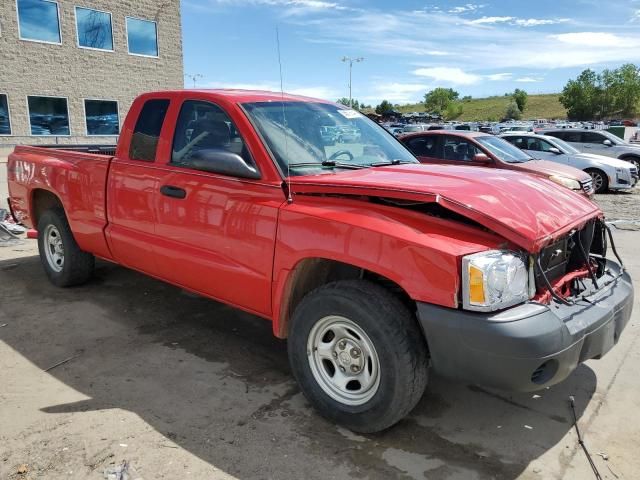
x=566, y=182
x=494, y=280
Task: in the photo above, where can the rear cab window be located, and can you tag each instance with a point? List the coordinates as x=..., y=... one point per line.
x=146, y=134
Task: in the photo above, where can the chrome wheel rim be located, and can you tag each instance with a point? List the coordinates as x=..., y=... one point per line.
x=343, y=360
x=54, y=248
x=598, y=181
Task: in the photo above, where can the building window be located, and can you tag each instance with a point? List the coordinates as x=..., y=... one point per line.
x=48, y=116
x=94, y=29
x=102, y=117
x=5, y=118
x=39, y=21
x=142, y=37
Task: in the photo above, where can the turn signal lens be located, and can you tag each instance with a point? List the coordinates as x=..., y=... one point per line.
x=476, y=285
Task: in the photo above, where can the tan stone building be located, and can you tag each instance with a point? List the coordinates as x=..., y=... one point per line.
x=70, y=69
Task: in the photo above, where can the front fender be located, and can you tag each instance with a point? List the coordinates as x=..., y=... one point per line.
x=418, y=252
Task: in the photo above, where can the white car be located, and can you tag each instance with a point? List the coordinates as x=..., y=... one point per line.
x=599, y=142
x=607, y=173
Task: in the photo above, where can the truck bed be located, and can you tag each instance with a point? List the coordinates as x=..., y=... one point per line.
x=76, y=174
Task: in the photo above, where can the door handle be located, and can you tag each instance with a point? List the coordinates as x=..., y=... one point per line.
x=173, y=192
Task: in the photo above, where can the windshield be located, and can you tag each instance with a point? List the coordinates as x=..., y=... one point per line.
x=502, y=149
x=303, y=135
x=564, y=146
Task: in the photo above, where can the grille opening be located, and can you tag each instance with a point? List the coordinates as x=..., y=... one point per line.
x=545, y=372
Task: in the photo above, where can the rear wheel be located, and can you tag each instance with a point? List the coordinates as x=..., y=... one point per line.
x=600, y=180
x=358, y=355
x=63, y=261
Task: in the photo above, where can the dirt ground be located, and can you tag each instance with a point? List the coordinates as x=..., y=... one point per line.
x=130, y=369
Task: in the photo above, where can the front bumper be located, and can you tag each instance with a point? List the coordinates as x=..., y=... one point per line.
x=531, y=346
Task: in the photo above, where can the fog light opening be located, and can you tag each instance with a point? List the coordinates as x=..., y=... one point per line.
x=545, y=372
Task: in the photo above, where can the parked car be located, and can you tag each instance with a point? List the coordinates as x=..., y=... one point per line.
x=599, y=142
x=373, y=266
x=607, y=173
x=485, y=150
x=412, y=127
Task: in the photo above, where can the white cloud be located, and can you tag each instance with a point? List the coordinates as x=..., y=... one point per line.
x=448, y=75
x=520, y=22
x=534, y=22
x=595, y=39
x=490, y=20
x=529, y=79
x=469, y=7
x=498, y=77
x=636, y=16
x=396, y=92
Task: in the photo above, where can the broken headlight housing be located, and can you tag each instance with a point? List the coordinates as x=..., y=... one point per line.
x=494, y=280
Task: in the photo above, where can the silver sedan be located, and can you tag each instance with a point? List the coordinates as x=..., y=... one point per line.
x=607, y=173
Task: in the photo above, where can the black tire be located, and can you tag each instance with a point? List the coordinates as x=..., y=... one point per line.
x=600, y=180
x=398, y=341
x=635, y=161
x=77, y=266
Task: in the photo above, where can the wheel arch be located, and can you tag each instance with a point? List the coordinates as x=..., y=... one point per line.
x=311, y=273
x=41, y=201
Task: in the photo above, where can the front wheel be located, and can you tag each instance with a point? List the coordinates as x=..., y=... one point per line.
x=600, y=180
x=358, y=355
x=63, y=261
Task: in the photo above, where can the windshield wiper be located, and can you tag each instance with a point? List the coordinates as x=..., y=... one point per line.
x=395, y=161
x=329, y=163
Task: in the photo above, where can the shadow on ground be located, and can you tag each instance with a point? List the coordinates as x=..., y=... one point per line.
x=214, y=381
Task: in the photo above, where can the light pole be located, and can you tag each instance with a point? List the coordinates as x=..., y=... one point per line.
x=194, y=77
x=351, y=62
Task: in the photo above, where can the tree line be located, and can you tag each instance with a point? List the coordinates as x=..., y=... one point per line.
x=611, y=93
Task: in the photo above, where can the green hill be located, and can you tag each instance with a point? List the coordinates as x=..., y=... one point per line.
x=493, y=108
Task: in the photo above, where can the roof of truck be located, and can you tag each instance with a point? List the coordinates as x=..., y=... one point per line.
x=248, y=96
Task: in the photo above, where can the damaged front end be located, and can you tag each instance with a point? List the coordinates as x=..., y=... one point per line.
x=575, y=266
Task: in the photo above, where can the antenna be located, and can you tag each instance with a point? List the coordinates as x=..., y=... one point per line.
x=284, y=119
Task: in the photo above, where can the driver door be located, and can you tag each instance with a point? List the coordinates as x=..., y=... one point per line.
x=215, y=233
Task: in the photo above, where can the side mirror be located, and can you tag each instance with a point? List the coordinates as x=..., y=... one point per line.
x=223, y=162
x=555, y=150
x=481, y=158
x=608, y=143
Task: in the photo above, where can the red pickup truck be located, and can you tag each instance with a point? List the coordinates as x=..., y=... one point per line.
x=373, y=266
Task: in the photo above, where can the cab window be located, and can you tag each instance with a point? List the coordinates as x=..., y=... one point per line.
x=426, y=146
x=146, y=134
x=459, y=149
x=592, y=137
x=203, y=126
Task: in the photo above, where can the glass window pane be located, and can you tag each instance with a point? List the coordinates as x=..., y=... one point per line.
x=39, y=20
x=146, y=134
x=5, y=121
x=203, y=127
x=142, y=37
x=94, y=29
x=48, y=116
x=102, y=117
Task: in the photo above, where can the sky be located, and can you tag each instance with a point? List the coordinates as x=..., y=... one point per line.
x=409, y=47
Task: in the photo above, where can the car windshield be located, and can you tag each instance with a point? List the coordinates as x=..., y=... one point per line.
x=564, y=146
x=297, y=134
x=502, y=149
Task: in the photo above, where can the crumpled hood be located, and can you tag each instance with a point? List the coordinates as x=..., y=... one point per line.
x=552, y=168
x=612, y=162
x=526, y=210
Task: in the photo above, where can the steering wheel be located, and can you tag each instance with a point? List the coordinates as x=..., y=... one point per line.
x=341, y=152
